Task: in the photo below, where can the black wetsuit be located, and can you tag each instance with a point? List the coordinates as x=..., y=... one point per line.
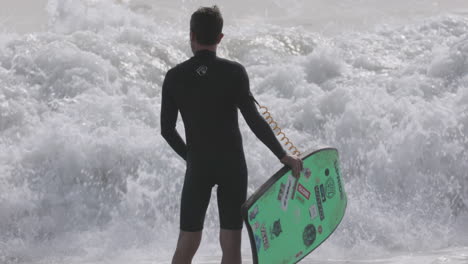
x=207, y=90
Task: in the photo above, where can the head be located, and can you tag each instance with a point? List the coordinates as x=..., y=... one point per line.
x=206, y=25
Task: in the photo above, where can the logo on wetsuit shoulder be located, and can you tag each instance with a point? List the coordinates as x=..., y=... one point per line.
x=202, y=70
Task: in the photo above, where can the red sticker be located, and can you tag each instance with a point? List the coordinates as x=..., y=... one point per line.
x=301, y=189
x=256, y=226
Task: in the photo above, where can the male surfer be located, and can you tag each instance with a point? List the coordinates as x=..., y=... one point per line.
x=208, y=90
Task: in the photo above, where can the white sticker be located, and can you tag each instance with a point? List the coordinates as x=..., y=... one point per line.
x=313, y=212
x=288, y=190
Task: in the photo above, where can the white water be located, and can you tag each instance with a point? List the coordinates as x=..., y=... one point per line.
x=85, y=176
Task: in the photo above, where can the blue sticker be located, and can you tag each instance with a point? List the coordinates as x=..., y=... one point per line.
x=258, y=242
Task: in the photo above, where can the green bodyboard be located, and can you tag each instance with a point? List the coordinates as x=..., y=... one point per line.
x=287, y=218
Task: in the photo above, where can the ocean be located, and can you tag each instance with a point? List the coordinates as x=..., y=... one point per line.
x=86, y=178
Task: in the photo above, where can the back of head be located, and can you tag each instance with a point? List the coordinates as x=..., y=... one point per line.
x=206, y=23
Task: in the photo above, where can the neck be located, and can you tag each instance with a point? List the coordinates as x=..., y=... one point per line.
x=212, y=48
x=205, y=47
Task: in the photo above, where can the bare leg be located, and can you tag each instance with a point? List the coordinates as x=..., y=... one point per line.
x=186, y=247
x=231, y=246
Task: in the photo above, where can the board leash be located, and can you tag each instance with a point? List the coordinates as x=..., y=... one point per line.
x=274, y=125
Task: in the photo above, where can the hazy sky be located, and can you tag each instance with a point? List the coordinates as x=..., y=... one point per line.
x=322, y=15
x=23, y=15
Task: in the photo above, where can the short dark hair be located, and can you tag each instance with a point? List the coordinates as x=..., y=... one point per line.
x=207, y=24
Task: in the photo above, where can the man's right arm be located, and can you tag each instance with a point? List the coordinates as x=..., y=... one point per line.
x=256, y=122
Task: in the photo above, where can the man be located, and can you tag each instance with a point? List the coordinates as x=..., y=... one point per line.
x=208, y=90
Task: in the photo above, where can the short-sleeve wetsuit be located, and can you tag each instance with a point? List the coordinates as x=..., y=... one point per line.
x=208, y=90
